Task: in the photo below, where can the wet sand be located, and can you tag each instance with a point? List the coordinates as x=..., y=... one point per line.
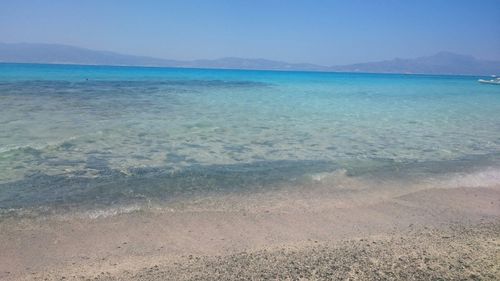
x=425, y=233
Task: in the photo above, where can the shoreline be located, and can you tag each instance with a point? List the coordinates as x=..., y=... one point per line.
x=125, y=244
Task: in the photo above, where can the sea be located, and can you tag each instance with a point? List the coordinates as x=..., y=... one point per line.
x=88, y=137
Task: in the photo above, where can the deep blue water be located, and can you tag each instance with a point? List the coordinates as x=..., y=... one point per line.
x=99, y=134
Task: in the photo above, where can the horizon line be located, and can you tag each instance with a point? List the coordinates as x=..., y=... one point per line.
x=243, y=69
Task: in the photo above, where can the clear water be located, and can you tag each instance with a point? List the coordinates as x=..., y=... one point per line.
x=96, y=134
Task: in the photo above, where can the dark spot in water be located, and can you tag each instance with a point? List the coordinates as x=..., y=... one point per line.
x=66, y=145
x=236, y=148
x=140, y=157
x=263, y=143
x=96, y=163
x=63, y=162
x=193, y=145
x=476, y=147
x=98, y=152
x=263, y=127
x=31, y=151
x=191, y=161
x=258, y=158
x=175, y=158
x=113, y=187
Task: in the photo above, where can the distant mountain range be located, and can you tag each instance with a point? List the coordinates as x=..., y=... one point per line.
x=440, y=63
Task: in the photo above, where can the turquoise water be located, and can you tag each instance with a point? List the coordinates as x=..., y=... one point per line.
x=101, y=135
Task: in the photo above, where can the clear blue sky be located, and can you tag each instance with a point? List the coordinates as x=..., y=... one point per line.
x=323, y=32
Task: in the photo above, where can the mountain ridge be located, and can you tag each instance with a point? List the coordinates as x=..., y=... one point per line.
x=439, y=63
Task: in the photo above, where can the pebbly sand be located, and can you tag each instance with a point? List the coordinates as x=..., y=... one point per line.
x=416, y=234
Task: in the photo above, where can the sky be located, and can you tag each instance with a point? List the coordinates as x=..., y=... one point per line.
x=322, y=32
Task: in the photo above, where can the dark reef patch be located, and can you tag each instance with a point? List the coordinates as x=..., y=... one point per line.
x=112, y=186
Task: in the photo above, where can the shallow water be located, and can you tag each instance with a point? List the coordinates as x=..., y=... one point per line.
x=87, y=135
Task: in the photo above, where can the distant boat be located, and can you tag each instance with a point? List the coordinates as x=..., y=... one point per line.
x=495, y=81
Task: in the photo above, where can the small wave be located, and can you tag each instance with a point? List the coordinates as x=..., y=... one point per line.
x=27, y=148
x=109, y=212
x=329, y=176
x=341, y=179
x=338, y=179
x=38, y=148
x=64, y=214
x=489, y=177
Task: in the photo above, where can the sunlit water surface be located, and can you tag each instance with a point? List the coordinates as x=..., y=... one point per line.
x=90, y=135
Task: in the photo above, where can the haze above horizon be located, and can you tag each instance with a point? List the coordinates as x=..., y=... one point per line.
x=322, y=32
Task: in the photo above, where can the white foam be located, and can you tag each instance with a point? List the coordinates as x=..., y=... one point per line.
x=109, y=212
x=485, y=178
x=336, y=175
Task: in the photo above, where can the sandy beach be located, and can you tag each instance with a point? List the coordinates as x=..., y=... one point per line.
x=314, y=234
